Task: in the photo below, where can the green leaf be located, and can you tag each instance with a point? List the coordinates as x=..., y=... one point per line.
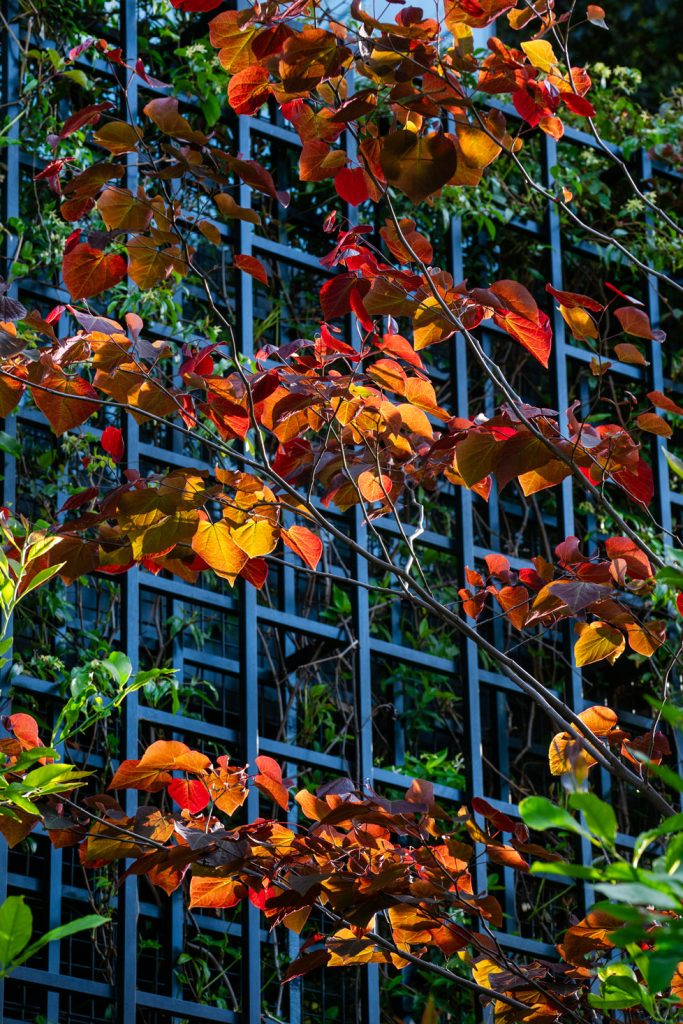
x=542, y=867
x=79, y=77
x=670, y=577
x=42, y=577
x=120, y=666
x=539, y=813
x=658, y=969
x=16, y=925
x=81, y=924
x=640, y=894
x=675, y=463
x=666, y=774
x=600, y=817
x=9, y=444
x=669, y=825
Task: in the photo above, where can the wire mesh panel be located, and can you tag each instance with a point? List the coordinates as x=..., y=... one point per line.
x=328, y=676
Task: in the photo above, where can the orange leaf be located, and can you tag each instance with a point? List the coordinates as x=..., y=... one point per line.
x=172, y=755
x=88, y=271
x=646, y=639
x=254, y=267
x=597, y=641
x=566, y=754
x=121, y=210
x=233, y=211
x=131, y=775
x=628, y=353
x=249, y=89
x=256, y=537
x=654, y=424
x=659, y=399
x=118, y=137
x=214, y=543
x=372, y=486
x=637, y=322
x=164, y=113
x=269, y=781
x=304, y=543
x=25, y=729
x=515, y=603
x=216, y=892
x=150, y=265
x=69, y=406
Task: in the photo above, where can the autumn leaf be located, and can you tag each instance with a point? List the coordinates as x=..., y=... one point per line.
x=88, y=271
x=256, y=537
x=568, y=755
x=269, y=781
x=253, y=266
x=249, y=89
x=214, y=892
x=65, y=401
x=131, y=775
x=304, y=543
x=121, y=210
x=112, y=443
x=417, y=165
x=213, y=542
x=598, y=641
x=190, y=794
x=534, y=335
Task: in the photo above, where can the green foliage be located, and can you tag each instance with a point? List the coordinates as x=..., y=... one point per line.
x=16, y=929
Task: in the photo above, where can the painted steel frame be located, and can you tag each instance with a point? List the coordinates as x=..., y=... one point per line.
x=128, y=996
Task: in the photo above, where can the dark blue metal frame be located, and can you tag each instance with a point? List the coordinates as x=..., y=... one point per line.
x=130, y=1001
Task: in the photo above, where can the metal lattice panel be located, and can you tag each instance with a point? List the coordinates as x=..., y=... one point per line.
x=253, y=650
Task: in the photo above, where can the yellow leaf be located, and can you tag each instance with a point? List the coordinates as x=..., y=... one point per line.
x=598, y=641
x=566, y=754
x=213, y=542
x=541, y=54
x=580, y=323
x=256, y=537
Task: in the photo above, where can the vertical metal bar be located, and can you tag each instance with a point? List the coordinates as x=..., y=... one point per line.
x=129, y=909
x=566, y=523
x=469, y=658
x=660, y=466
x=9, y=198
x=251, y=943
x=361, y=614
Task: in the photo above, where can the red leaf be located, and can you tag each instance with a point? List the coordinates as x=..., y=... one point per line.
x=249, y=89
x=270, y=781
x=573, y=300
x=88, y=271
x=304, y=543
x=112, y=443
x=659, y=399
x=196, y=6
x=190, y=794
x=535, y=337
x=25, y=729
x=578, y=104
x=640, y=485
x=351, y=184
x=87, y=115
x=335, y=294
x=637, y=322
x=254, y=267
